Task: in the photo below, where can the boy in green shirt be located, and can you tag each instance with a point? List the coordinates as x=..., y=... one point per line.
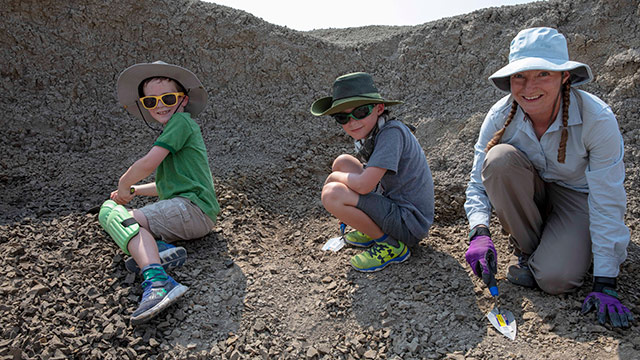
x=187, y=206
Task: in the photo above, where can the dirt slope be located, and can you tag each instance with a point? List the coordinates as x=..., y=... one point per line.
x=260, y=287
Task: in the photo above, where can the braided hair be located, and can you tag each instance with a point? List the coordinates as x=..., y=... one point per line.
x=498, y=135
x=562, y=147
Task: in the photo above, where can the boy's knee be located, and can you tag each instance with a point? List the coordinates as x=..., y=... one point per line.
x=140, y=218
x=331, y=193
x=118, y=223
x=345, y=162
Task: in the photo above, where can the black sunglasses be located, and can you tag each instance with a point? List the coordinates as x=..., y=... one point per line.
x=358, y=113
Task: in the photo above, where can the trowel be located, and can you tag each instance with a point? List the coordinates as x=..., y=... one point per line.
x=501, y=319
x=336, y=243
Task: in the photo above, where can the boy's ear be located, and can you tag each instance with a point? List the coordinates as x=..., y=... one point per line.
x=185, y=101
x=380, y=108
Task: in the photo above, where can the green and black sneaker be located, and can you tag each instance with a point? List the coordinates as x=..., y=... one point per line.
x=379, y=256
x=359, y=239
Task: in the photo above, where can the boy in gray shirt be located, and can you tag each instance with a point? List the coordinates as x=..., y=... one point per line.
x=386, y=194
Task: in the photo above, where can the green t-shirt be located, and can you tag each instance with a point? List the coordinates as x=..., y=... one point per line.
x=185, y=171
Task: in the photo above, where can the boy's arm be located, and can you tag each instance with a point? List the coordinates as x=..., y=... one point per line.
x=362, y=183
x=148, y=189
x=140, y=169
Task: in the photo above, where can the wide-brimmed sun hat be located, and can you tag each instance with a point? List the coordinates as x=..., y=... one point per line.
x=540, y=48
x=349, y=91
x=131, y=78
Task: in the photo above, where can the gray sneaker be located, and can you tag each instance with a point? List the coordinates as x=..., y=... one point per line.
x=157, y=296
x=520, y=274
x=171, y=256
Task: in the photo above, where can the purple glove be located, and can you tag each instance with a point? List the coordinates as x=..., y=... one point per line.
x=619, y=315
x=482, y=256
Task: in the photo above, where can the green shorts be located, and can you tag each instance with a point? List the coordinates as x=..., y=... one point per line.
x=176, y=219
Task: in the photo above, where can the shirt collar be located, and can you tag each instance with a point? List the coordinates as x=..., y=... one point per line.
x=574, y=115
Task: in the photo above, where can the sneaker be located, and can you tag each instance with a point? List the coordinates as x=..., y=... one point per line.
x=157, y=296
x=171, y=256
x=379, y=256
x=520, y=274
x=359, y=239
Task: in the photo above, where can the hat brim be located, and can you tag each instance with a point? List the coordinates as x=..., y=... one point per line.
x=326, y=105
x=580, y=73
x=130, y=79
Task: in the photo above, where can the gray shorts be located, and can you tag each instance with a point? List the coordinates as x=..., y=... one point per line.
x=387, y=215
x=176, y=219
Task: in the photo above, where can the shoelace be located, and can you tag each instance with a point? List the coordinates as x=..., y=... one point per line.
x=376, y=249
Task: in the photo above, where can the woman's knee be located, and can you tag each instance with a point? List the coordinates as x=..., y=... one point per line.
x=502, y=161
x=558, y=282
x=502, y=156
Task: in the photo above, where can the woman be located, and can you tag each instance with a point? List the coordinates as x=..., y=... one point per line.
x=549, y=160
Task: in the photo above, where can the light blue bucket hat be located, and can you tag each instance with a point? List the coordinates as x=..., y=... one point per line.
x=540, y=48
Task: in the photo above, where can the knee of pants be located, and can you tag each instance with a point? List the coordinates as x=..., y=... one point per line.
x=502, y=157
x=557, y=282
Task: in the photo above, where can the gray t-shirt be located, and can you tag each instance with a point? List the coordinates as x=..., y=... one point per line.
x=408, y=181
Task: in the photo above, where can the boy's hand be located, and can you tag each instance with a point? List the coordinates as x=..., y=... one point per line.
x=122, y=197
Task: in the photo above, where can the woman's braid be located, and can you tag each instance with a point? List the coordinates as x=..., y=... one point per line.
x=562, y=148
x=498, y=135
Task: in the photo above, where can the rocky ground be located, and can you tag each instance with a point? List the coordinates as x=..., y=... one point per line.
x=260, y=286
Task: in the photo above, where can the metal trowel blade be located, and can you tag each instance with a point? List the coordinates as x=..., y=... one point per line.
x=504, y=321
x=334, y=244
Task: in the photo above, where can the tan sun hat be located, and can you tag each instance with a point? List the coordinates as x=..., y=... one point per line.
x=130, y=80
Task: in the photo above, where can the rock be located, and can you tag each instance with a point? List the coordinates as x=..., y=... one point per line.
x=259, y=325
x=37, y=290
x=370, y=354
x=324, y=349
x=312, y=352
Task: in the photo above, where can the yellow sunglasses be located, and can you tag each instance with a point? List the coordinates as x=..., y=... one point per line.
x=168, y=99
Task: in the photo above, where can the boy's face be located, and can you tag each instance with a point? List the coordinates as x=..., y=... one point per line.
x=359, y=129
x=162, y=113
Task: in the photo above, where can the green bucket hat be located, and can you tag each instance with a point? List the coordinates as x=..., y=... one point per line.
x=350, y=90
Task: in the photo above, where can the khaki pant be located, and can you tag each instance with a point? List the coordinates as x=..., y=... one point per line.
x=176, y=219
x=545, y=220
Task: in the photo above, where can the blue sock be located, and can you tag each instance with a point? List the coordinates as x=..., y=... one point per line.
x=387, y=240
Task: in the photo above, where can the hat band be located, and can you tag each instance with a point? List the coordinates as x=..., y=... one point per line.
x=373, y=96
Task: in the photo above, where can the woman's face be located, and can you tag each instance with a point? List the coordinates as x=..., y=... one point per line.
x=537, y=91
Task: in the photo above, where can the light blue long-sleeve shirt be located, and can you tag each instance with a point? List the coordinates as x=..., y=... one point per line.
x=593, y=164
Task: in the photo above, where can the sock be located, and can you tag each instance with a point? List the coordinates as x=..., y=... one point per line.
x=388, y=240
x=154, y=272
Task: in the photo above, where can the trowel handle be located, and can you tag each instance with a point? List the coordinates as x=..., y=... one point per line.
x=490, y=279
x=343, y=226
